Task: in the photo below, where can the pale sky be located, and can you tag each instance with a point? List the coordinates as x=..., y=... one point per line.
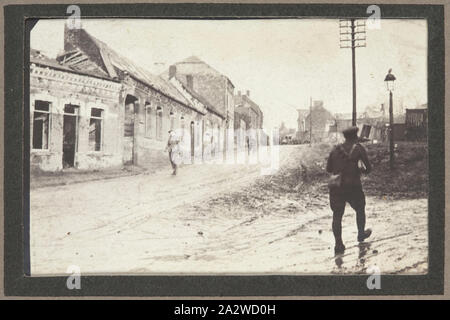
x=283, y=62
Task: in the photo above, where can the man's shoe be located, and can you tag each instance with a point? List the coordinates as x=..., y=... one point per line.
x=339, y=249
x=365, y=235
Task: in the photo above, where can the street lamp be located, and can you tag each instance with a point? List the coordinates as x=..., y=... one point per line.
x=390, y=78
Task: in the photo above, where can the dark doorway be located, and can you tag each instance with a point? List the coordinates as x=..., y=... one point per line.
x=128, y=132
x=213, y=146
x=192, y=141
x=70, y=135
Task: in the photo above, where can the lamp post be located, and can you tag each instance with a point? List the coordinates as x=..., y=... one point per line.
x=390, y=78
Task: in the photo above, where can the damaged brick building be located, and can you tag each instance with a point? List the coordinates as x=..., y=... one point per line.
x=73, y=116
x=92, y=108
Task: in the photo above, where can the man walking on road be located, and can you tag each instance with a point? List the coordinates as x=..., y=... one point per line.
x=174, y=150
x=345, y=185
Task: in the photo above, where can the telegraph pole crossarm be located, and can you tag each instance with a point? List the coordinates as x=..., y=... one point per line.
x=352, y=35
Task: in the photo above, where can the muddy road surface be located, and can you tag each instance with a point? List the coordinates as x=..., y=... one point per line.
x=197, y=223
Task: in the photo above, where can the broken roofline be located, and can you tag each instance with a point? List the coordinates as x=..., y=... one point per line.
x=103, y=49
x=68, y=69
x=217, y=113
x=145, y=83
x=162, y=93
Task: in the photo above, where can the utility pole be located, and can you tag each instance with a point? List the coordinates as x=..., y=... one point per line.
x=352, y=35
x=353, y=73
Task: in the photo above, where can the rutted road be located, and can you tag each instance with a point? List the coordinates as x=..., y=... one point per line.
x=158, y=223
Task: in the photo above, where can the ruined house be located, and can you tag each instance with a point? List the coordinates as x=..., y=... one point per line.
x=151, y=105
x=73, y=116
x=92, y=108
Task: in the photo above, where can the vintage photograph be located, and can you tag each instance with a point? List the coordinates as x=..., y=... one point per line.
x=233, y=146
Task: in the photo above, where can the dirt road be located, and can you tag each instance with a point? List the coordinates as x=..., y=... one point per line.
x=191, y=223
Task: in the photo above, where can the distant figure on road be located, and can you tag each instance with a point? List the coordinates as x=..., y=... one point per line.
x=345, y=185
x=173, y=148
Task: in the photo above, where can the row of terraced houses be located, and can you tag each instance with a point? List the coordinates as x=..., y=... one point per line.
x=91, y=108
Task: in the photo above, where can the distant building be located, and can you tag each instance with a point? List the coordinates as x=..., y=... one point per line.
x=249, y=110
x=285, y=134
x=213, y=124
x=215, y=87
x=249, y=114
x=318, y=119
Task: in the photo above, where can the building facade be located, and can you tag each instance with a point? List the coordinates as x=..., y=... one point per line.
x=92, y=108
x=150, y=105
x=73, y=117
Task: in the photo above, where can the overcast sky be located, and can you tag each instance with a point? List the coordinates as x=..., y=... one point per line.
x=282, y=62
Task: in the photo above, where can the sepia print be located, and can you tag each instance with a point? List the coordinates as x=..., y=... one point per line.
x=263, y=146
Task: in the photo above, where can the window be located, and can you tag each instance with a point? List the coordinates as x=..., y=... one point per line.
x=159, y=118
x=41, y=124
x=70, y=109
x=218, y=138
x=182, y=125
x=197, y=134
x=95, y=129
x=148, y=120
x=172, y=120
x=190, y=81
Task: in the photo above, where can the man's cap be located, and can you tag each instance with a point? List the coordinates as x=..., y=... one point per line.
x=349, y=130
